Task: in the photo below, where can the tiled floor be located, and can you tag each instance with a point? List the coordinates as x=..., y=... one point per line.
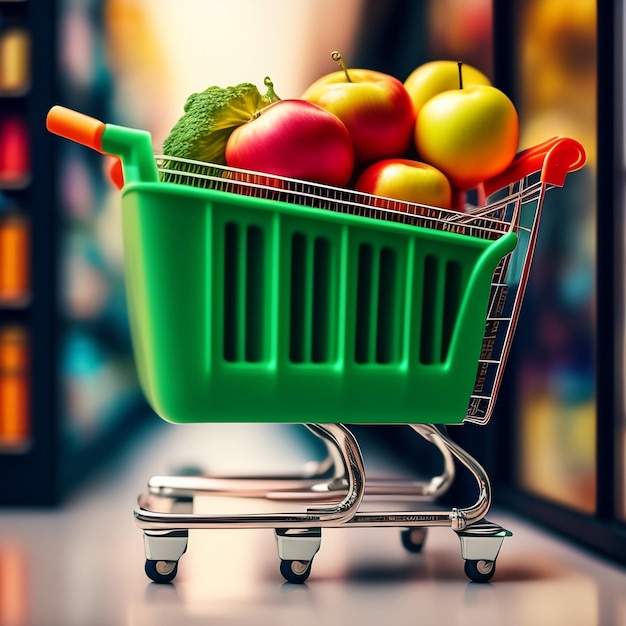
x=82, y=565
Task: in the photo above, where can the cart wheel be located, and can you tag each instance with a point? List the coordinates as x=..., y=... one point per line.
x=295, y=571
x=480, y=571
x=413, y=539
x=161, y=571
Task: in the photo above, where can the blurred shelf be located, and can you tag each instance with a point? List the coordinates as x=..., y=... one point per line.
x=68, y=388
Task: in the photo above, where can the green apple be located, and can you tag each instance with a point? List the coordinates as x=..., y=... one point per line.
x=470, y=134
x=374, y=106
x=407, y=180
x=433, y=77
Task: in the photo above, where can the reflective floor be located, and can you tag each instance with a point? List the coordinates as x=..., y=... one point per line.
x=83, y=564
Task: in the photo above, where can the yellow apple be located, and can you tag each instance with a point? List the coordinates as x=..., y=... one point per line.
x=433, y=77
x=407, y=180
x=470, y=134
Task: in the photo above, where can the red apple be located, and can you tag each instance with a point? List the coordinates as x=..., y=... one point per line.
x=407, y=180
x=294, y=138
x=470, y=134
x=375, y=107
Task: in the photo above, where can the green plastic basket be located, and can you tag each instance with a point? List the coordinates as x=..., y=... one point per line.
x=244, y=309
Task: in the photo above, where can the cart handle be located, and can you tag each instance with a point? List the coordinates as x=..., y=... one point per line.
x=555, y=158
x=132, y=148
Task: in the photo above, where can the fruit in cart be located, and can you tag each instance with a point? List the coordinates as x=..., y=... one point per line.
x=294, y=138
x=407, y=180
x=374, y=106
x=210, y=117
x=469, y=133
x=430, y=79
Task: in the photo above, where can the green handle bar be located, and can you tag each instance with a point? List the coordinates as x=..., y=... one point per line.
x=133, y=148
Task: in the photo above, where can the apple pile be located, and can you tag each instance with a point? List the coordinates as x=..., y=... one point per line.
x=427, y=141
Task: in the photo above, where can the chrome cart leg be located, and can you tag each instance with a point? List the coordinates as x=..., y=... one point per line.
x=155, y=512
x=298, y=546
x=476, y=512
x=438, y=485
x=457, y=519
x=331, y=463
x=481, y=540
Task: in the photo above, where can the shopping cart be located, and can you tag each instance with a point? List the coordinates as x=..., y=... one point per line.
x=255, y=298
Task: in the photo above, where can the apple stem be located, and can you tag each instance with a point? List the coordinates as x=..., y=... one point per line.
x=460, y=64
x=271, y=95
x=336, y=56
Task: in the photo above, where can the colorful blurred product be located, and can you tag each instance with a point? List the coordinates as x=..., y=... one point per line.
x=14, y=260
x=14, y=387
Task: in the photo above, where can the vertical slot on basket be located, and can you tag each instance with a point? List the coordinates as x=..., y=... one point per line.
x=440, y=308
x=298, y=298
x=429, y=336
x=243, y=293
x=310, y=300
x=376, y=323
x=255, y=289
x=231, y=290
x=451, y=302
x=365, y=306
x=320, y=336
x=387, y=326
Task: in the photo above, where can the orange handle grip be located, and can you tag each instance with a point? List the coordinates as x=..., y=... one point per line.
x=84, y=130
x=76, y=126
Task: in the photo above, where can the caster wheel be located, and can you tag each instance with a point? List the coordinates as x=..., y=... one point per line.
x=413, y=539
x=480, y=571
x=295, y=571
x=161, y=571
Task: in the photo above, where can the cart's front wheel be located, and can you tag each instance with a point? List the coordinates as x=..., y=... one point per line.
x=480, y=571
x=413, y=539
x=161, y=571
x=295, y=571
